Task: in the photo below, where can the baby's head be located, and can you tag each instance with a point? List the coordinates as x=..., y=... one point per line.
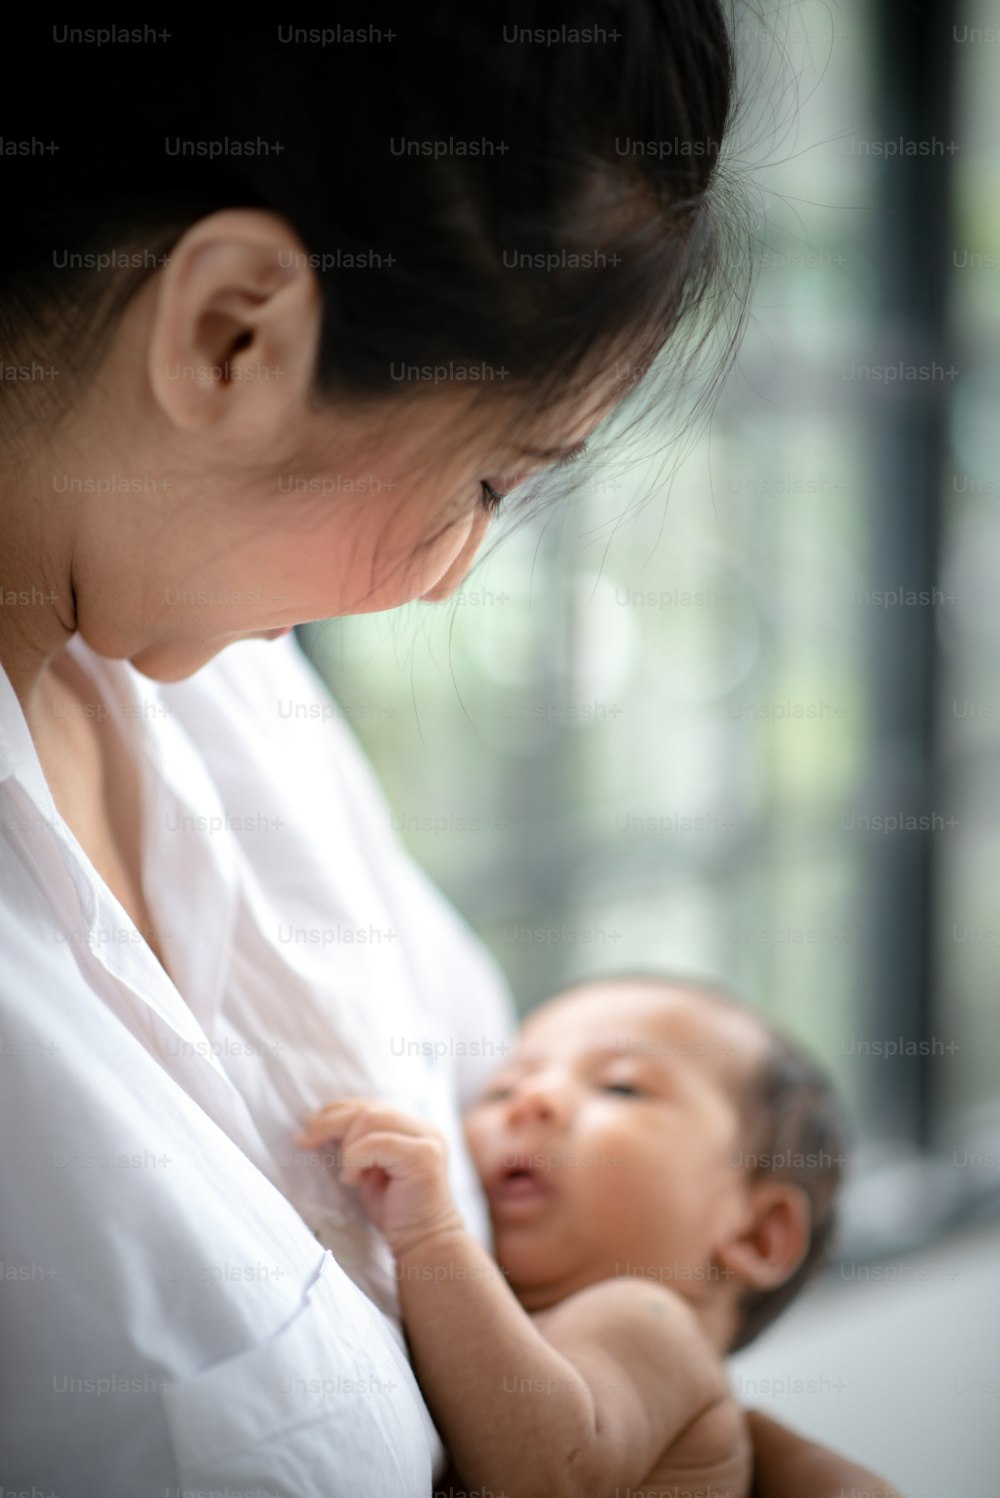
x=651, y=1127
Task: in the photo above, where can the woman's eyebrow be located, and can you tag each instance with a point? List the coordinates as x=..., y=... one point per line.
x=556, y=454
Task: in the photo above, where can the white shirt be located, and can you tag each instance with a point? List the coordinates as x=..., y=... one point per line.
x=179, y=1301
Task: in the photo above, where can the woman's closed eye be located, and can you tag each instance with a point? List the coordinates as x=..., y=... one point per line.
x=492, y=498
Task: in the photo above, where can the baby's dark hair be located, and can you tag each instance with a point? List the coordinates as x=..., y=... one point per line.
x=796, y=1130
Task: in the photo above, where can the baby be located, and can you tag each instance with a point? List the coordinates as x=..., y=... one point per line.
x=660, y=1168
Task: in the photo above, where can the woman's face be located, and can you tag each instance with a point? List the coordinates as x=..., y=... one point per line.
x=369, y=511
x=360, y=509
x=229, y=502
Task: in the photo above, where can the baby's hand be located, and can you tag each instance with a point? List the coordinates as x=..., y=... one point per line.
x=398, y=1164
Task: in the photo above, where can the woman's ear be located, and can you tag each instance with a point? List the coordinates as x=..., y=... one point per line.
x=774, y=1240
x=235, y=330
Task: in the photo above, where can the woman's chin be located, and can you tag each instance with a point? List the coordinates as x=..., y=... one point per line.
x=175, y=660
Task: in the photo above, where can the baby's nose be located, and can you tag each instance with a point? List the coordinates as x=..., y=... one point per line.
x=539, y=1098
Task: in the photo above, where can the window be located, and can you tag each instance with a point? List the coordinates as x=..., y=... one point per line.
x=750, y=727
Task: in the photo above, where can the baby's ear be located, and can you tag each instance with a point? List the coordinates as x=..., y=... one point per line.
x=774, y=1241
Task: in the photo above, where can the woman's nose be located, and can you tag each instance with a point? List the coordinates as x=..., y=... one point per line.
x=459, y=566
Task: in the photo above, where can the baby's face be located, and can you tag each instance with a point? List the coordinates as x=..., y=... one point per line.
x=610, y=1143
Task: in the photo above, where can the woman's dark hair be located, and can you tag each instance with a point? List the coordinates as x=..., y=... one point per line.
x=514, y=190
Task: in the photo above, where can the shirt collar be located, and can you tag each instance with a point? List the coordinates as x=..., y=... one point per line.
x=125, y=692
x=18, y=756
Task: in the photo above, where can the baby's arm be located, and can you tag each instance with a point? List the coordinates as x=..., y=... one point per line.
x=587, y=1407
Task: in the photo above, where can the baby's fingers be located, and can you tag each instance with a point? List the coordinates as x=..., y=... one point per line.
x=397, y=1154
x=330, y=1122
x=354, y=1116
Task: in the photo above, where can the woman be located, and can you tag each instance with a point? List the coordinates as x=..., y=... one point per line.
x=267, y=360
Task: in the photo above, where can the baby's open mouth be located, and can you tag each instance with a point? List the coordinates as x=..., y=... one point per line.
x=518, y=1182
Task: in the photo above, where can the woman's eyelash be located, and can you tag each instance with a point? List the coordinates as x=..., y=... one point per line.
x=492, y=500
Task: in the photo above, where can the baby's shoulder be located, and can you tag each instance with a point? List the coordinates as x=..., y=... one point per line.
x=626, y=1296
x=647, y=1313
x=641, y=1341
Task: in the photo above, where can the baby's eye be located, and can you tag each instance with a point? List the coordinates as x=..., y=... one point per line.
x=496, y=1094
x=623, y=1089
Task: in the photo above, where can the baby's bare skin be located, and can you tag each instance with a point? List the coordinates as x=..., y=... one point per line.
x=573, y=1368
x=588, y=1357
x=616, y=1386
x=712, y=1452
